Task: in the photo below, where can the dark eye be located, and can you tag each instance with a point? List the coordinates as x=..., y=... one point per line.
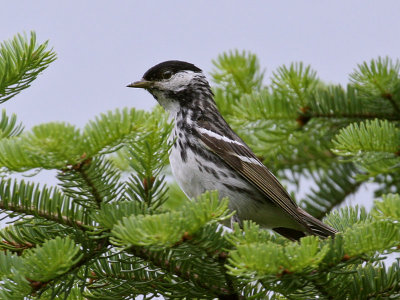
x=167, y=75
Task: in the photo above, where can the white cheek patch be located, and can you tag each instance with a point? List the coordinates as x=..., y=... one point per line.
x=179, y=81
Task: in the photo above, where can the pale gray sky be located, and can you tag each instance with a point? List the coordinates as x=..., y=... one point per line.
x=103, y=45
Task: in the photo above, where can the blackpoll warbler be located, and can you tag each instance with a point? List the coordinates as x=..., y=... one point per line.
x=209, y=155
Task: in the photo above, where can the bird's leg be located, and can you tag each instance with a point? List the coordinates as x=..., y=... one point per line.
x=235, y=219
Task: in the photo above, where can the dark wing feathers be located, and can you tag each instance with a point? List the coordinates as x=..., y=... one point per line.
x=317, y=226
x=255, y=173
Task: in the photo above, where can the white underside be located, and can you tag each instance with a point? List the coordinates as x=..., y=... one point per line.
x=193, y=182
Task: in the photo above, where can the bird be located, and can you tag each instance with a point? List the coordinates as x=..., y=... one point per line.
x=208, y=155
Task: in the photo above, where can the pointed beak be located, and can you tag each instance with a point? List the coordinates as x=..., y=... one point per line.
x=143, y=84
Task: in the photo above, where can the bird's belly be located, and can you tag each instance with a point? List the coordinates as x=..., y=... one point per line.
x=196, y=175
x=190, y=176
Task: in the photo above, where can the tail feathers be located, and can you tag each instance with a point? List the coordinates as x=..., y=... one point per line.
x=315, y=226
x=312, y=226
x=289, y=233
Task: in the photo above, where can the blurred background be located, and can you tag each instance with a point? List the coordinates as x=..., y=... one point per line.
x=104, y=45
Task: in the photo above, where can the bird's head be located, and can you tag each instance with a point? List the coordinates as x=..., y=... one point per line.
x=175, y=84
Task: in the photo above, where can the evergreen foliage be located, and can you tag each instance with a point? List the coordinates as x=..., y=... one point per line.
x=21, y=61
x=115, y=228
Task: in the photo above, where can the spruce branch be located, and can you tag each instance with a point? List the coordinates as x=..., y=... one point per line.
x=73, y=269
x=379, y=78
x=121, y=241
x=387, y=208
x=373, y=145
x=8, y=125
x=322, y=289
x=333, y=186
x=231, y=289
x=389, y=97
x=22, y=59
x=238, y=71
x=51, y=259
x=47, y=203
x=168, y=261
x=109, y=131
x=57, y=145
x=42, y=214
x=295, y=82
x=157, y=260
x=142, y=252
x=92, y=183
x=373, y=136
x=355, y=117
x=168, y=265
x=48, y=146
x=47, y=263
x=162, y=230
x=147, y=158
x=82, y=170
